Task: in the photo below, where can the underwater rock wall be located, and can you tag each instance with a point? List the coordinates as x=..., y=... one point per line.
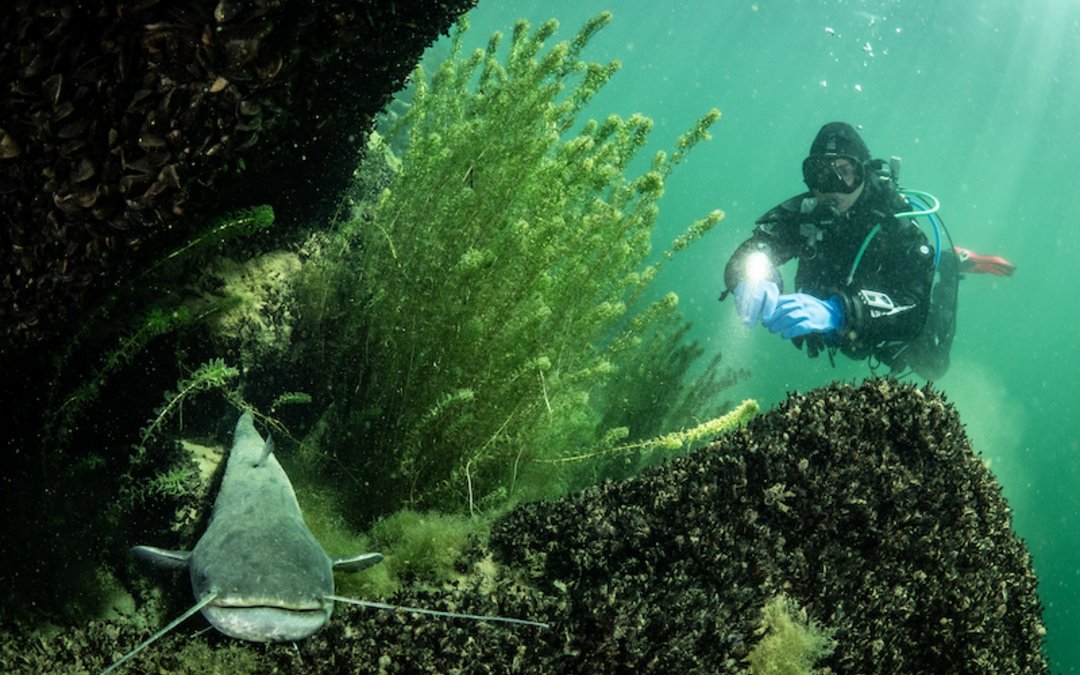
x=127, y=129
x=864, y=505
x=125, y=121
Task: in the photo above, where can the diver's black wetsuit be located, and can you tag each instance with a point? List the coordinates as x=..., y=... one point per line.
x=897, y=268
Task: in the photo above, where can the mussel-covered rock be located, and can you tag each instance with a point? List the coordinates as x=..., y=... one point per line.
x=132, y=118
x=864, y=506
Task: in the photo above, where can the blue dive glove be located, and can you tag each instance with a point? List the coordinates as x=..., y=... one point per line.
x=799, y=313
x=755, y=300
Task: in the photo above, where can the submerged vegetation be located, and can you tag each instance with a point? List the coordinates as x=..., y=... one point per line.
x=791, y=643
x=213, y=374
x=486, y=303
x=140, y=311
x=94, y=465
x=482, y=327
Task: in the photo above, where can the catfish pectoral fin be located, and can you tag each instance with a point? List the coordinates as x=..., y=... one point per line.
x=162, y=557
x=357, y=562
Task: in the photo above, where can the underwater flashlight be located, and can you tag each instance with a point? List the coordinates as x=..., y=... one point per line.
x=758, y=267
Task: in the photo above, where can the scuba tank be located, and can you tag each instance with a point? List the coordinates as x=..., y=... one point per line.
x=928, y=354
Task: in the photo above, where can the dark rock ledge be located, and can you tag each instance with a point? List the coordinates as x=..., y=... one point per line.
x=863, y=504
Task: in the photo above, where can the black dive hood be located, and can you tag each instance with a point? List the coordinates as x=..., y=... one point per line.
x=835, y=140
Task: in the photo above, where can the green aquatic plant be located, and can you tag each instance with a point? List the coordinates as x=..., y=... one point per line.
x=239, y=223
x=129, y=320
x=290, y=398
x=674, y=440
x=156, y=322
x=657, y=385
x=172, y=483
x=790, y=643
x=157, y=309
x=119, y=356
x=418, y=548
x=213, y=374
x=472, y=311
x=423, y=547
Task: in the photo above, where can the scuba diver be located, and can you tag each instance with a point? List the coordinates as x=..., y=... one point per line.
x=869, y=283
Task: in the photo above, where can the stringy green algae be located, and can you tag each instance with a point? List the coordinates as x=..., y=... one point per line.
x=791, y=643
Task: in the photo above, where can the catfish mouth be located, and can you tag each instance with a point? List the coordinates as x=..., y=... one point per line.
x=266, y=621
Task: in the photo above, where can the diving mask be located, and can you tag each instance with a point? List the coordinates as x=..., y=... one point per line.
x=832, y=173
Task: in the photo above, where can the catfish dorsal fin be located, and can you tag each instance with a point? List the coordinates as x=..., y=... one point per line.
x=268, y=449
x=161, y=633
